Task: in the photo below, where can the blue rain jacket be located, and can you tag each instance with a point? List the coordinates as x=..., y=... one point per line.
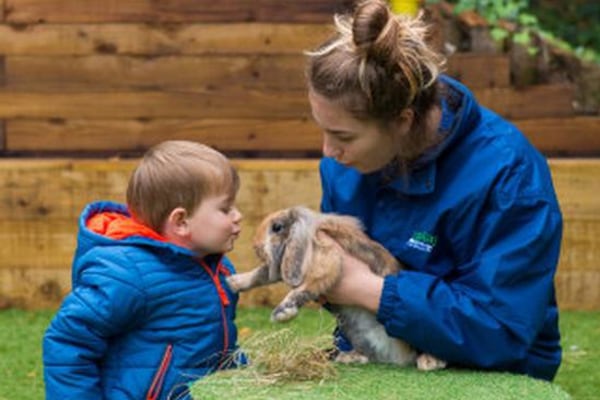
x=144, y=318
x=478, y=226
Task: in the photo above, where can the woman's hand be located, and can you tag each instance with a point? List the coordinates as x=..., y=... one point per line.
x=358, y=285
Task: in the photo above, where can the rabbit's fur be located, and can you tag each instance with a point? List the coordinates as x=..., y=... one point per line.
x=290, y=244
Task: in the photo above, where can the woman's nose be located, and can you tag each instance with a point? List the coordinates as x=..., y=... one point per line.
x=329, y=149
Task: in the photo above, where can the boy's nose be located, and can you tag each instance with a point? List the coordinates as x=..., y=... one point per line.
x=237, y=215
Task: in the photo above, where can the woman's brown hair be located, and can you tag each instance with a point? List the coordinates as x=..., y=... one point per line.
x=377, y=65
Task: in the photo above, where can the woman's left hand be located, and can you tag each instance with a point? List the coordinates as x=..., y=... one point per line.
x=357, y=286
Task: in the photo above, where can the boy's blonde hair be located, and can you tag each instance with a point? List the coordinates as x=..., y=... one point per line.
x=177, y=173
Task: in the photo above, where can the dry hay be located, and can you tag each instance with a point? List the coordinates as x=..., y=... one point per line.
x=278, y=357
x=285, y=356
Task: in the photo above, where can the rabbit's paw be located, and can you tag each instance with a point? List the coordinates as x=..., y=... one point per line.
x=284, y=312
x=234, y=282
x=427, y=362
x=351, y=357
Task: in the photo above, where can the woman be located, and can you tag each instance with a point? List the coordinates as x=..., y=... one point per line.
x=454, y=191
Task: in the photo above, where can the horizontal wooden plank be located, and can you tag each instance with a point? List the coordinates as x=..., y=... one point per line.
x=206, y=103
x=109, y=72
x=130, y=135
x=3, y=136
x=28, y=11
x=538, y=101
x=159, y=39
x=48, y=242
x=33, y=288
x=50, y=190
x=577, y=186
x=38, y=288
x=281, y=71
x=41, y=200
x=51, y=244
x=480, y=70
x=578, y=290
x=44, y=190
x=534, y=102
x=576, y=136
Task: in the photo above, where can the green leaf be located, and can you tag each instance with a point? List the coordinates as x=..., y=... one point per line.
x=498, y=34
x=522, y=38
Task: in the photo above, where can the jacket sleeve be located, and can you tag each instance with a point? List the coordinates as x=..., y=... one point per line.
x=490, y=310
x=104, y=302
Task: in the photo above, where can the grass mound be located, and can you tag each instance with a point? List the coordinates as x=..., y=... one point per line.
x=381, y=382
x=288, y=362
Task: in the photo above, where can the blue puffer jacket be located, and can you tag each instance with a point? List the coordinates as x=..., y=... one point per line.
x=144, y=318
x=478, y=224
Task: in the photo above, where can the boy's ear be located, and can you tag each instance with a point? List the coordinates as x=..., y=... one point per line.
x=177, y=222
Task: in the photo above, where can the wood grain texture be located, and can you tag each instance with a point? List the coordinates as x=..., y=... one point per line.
x=138, y=135
x=480, y=70
x=268, y=71
x=169, y=73
x=199, y=103
x=28, y=11
x=208, y=102
x=539, y=101
x=569, y=136
x=41, y=200
x=160, y=39
x=552, y=136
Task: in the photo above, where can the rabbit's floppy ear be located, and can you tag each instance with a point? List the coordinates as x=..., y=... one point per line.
x=298, y=248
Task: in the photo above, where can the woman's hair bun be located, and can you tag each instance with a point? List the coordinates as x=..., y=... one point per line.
x=369, y=20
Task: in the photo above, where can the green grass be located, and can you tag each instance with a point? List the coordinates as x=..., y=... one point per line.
x=21, y=375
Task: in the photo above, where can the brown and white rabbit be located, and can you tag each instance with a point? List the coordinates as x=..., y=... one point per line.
x=293, y=246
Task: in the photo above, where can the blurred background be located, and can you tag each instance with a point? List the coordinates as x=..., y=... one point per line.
x=87, y=86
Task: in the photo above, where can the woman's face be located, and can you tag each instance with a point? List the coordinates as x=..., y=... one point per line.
x=359, y=144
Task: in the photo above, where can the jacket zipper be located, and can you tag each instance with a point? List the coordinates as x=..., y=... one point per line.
x=224, y=303
x=159, y=377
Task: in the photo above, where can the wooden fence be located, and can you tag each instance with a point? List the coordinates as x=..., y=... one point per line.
x=40, y=201
x=115, y=77
x=102, y=80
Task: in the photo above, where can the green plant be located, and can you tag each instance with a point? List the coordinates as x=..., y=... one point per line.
x=516, y=21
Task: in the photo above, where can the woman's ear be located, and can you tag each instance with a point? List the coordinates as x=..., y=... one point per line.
x=403, y=123
x=177, y=223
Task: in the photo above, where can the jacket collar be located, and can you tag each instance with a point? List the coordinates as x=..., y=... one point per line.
x=459, y=115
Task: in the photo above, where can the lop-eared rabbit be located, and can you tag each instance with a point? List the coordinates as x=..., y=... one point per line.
x=295, y=247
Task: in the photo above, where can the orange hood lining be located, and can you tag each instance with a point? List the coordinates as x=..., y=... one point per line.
x=118, y=226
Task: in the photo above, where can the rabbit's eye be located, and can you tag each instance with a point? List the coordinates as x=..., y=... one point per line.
x=276, y=227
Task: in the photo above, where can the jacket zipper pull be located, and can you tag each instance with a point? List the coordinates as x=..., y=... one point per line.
x=159, y=378
x=215, y=278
